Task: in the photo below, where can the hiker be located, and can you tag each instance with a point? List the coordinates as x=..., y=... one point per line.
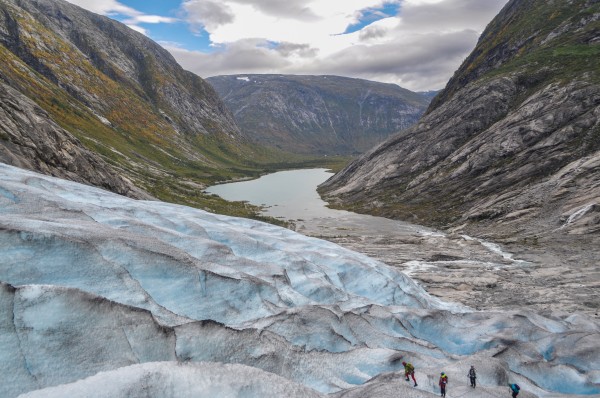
x=409, y=370
x=443, y=382
x=514, y=388
x=472, y=375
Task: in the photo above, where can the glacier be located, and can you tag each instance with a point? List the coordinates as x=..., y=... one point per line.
x=101, y=295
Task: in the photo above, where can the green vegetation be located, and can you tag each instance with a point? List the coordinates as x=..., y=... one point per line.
x=552, y=41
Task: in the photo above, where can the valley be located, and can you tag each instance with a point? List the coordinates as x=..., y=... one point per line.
x=287, y=227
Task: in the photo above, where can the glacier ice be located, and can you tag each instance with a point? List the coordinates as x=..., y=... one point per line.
x=165, y=300
x=173, y=379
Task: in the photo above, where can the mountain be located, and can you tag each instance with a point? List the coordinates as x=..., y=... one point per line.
x=511, y=147
x=29, y=138
x=318, y=114
x=73, y=81
x=105, y=296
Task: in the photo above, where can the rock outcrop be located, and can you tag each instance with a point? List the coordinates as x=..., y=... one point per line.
x=511, y=147
x=318, y=114
x=121, y=95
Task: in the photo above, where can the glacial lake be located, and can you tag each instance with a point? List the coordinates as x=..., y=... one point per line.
x=291, y=195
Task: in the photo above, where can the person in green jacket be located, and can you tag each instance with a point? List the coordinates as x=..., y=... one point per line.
x=409, y=370
x=443, y=383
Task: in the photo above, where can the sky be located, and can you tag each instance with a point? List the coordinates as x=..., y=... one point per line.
x=417, y=44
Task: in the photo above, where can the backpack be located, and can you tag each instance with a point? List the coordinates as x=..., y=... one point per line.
x=517, y=387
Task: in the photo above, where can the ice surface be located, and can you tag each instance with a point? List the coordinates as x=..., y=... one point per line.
x=177, y=380
x=95, y=282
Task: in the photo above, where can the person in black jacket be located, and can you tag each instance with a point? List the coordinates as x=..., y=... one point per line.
x=472, y=375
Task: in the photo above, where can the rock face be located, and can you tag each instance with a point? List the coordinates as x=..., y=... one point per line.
x=511, y=147
x=30, y=139
x=318, y=114
x=122, y=95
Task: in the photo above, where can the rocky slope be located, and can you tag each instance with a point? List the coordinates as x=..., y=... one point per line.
x=511, y=147
x=318, y=114
x=121, y=95
x=30, y=139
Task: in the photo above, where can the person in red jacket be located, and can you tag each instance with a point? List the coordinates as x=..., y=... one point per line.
x=443, y=382
x=409, y=370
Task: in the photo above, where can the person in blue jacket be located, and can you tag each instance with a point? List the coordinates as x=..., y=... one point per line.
x=514, y=388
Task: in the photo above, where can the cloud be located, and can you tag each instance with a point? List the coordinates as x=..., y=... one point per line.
x=151, y=19
x=419, y=62
x=243, y=56
x=372, y=32
x=114, y=8
x=138, y=29
x=106, y=7
x=301, y=50
x=415, y=43
x=449, y=15
x=296, y=9
x=205, y=14
x=419, y=48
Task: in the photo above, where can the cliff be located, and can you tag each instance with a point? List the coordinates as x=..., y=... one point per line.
x=511, y=147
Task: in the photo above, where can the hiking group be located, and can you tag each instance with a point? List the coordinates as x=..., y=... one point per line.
x=409, y=371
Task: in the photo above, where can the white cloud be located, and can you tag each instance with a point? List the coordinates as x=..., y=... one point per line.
x=138, y=29
x=207, y=14
x=243, y=56
x=113, y=7
x=151, y=19
x=106, y=7
x=418, y=49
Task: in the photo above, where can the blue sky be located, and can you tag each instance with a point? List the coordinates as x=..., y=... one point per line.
x=417, y=44
x=372, y=15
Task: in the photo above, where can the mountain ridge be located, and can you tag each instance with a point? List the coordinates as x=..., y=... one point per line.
x=321, y=114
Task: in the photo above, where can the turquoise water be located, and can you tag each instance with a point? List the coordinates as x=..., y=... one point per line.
x=286, y=194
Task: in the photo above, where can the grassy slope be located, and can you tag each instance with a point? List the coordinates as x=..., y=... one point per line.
x=519, y=41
